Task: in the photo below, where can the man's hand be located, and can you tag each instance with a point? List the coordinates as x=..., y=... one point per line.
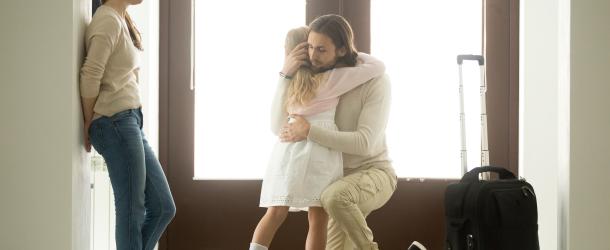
x=296, y=129
x=295, y=59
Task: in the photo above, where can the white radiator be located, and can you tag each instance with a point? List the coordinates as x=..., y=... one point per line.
x=102, y=206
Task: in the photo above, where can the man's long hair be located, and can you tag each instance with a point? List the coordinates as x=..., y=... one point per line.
x=340, y=32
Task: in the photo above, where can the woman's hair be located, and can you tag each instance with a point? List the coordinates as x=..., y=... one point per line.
x=134, y=33
x=340, y=32
x=304, y=83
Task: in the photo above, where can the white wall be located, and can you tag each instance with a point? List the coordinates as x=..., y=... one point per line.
x=539, y=126
x=44, y=180
x=589, y=203
x=565, y=123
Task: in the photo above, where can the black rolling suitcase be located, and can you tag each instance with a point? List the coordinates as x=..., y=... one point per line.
x=484, y=214
x=491, y=215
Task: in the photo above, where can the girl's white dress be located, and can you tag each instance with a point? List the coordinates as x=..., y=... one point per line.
x=298, y=172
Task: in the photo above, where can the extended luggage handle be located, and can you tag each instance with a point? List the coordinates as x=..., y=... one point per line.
x=462, y=58
x=482, y=91
x=473, y=175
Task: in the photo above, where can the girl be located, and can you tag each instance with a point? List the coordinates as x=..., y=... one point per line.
x=299, y=172
x=113, y=125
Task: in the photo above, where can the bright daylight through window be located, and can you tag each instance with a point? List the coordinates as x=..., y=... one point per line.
x=419, y=42
x=238, y=52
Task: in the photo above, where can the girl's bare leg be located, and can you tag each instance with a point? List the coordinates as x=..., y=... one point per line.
x=268, y=225
x=318, y=221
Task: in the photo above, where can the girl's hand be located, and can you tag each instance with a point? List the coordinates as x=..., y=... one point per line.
x=295, y=59
x=296, y=129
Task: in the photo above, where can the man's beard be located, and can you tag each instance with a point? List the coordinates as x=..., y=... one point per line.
x=323, y=69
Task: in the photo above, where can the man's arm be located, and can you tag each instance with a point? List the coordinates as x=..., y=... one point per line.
x=370, y=129
x=342, y=80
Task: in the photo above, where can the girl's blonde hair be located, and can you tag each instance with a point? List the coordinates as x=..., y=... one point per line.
x=304, y=83
x=134, y=33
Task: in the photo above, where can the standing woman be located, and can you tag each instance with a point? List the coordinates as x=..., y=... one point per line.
x=113, y=125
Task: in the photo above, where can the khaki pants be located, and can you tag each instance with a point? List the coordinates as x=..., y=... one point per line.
x=350, y=200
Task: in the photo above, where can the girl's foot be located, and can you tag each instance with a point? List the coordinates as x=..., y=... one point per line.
x=416, y=246
x=254, y=246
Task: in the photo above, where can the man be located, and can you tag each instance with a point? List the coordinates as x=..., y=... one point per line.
x=362, y=114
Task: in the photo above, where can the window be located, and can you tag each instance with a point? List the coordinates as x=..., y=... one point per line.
x=239, y=50
x=419, y=42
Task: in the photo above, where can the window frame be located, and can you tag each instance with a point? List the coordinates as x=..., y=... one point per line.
x=176, y=130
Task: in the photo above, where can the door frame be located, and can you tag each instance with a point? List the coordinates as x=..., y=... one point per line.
x=223, y=214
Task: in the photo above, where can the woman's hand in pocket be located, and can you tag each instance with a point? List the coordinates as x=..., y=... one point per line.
x=86, y=126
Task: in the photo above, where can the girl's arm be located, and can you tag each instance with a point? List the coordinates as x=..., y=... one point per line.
x=295, y=59
x=342, y=80
x=279, y=115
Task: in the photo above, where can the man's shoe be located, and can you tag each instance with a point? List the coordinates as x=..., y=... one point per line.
x=416, y=246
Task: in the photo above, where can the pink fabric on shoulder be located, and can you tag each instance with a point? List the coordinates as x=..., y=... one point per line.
x=338, y=82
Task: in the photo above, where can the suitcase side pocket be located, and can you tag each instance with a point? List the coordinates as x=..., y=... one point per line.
x=512, y=218
x=516, y=207
x=456, y=234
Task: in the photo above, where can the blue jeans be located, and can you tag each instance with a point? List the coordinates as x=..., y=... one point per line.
x=143, y=202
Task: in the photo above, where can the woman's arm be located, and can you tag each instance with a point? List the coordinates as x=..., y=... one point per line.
x=87, y=105
x=100, y=43
x=101, y=40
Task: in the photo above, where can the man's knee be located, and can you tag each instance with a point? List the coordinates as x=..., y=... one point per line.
x=333, y=199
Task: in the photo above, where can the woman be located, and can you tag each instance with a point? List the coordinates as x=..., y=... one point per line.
x=113, y=125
